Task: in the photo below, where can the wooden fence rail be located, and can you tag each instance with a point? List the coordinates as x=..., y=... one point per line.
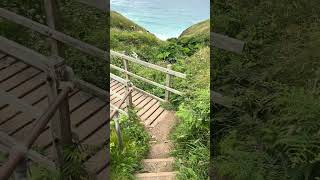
x=52, y=33
x=128, y=74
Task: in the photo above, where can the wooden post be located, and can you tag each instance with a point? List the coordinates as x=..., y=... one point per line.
x=52, y=17
x=129, y=98
x=126, y=67
x=60, y=123
x=168, y=84
x=21, y=170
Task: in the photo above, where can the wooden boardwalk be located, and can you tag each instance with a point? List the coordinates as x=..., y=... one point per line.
x=88, y=113
x=148, y=108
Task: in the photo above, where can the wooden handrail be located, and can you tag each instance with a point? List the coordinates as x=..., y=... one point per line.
x=20, y=151
x=45, y=30
x=10, y=142
x=147, y=80
x=149, y=65
x=28, y=56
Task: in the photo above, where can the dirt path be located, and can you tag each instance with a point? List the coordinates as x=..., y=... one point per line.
x=158, y=165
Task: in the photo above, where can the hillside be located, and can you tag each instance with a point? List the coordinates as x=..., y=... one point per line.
x=119, y=21
x=201, y=29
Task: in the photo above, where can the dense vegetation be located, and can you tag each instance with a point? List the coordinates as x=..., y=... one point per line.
x=125, y=160
x=273, y=133
x=189, y=54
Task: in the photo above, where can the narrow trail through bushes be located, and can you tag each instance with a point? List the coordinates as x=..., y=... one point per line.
x=158, y=163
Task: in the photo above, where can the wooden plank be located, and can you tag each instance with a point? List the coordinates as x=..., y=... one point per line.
x=149, y=94
x=147, y=107
x=12, y=70
x=34, y=156
x=45, y=30
x=17, y=123
x=138, y=101
x=19, y=104
x=226, y=43
x=149, y=65
x=91, y=124
x=6, y=62
x=104, y=174
x=99, y=4
x=150, y=111
x=147, y=80
x=2, y=55
x=143, y=103
x=86, y=111
x=154, y=116
x=100, y=136
x=28, y=56
x=32, y=98
x=19, y=78
x=91, y=89
x=98, y=162
x=79, y=99
x=29, y=86
x=159, y=118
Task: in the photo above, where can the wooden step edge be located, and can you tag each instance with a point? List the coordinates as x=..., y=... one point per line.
x=158, y=174
x=170, y=159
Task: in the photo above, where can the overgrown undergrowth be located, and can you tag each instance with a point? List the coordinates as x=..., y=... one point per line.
x=125, y=162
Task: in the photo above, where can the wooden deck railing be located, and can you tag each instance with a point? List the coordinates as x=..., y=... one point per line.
x=168, y=71
x=19, y=151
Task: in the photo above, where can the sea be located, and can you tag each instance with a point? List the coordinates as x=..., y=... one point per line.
x=164, y=18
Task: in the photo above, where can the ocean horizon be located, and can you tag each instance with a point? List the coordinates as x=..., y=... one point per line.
x=164, y=18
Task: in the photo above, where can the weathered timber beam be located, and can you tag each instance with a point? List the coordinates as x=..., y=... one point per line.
x=99, y=4
x=226, y=43
x=217, y=98
x=28, y=56
x=6, y=98
x=149, y=65
x=7, y=143
x=45, y=30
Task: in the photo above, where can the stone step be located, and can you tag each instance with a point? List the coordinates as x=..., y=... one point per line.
x=157, y=176
x=157, y=165
x=160, y=150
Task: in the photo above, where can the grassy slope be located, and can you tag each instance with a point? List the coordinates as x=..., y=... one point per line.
x=192, y=134
x=276, y=84
x=199, y=30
